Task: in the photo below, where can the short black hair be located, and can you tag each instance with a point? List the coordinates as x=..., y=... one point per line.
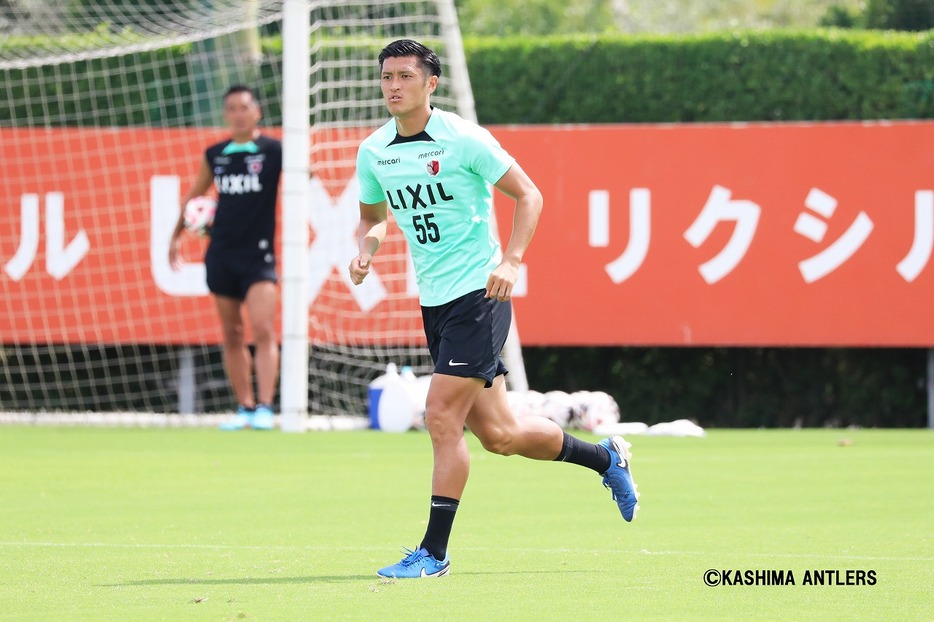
x=407, y=47
x=240, y=88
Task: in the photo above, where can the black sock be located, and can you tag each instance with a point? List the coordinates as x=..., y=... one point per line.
x=585, y=454
x=440, y=521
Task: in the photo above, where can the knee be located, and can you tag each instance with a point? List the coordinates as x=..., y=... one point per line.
x=496, y=439
x=264, y=333
x=233, y=335
x=441, y=428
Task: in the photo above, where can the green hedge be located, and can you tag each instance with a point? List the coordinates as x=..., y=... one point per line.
x=102, y=92
x=164, y=87
x=763, y=76
x=767, y=76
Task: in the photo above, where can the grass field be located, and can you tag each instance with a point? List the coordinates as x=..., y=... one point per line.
x=195, y=524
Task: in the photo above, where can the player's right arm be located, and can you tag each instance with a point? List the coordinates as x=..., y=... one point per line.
x=371, y=233
x=203, y=181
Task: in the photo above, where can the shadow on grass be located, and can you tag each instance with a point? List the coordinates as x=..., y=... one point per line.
x=316, y=578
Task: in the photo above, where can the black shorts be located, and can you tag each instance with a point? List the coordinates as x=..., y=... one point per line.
x=466, y=336
x=231, y=273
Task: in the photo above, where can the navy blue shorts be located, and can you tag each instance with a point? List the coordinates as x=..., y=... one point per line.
x=231, y=274
x=466, y=336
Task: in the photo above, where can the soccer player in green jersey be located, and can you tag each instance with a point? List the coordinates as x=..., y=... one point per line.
x=433, y=170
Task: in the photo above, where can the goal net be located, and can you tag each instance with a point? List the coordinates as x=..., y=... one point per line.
x=357, y=331
x=108, y=108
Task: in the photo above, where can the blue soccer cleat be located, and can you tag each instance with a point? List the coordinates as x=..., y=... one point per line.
x=262, y=418
x=618, y=478
x=416, y=565
x=243, y=419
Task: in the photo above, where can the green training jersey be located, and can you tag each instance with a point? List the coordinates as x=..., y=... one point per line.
x=437, y=184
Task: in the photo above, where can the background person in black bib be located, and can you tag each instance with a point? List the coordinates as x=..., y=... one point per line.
x=240, y=259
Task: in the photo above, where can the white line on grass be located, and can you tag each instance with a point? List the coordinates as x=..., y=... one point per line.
x=284, y=547
x=822, y=556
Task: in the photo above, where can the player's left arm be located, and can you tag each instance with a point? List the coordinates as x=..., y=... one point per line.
x=517, y=185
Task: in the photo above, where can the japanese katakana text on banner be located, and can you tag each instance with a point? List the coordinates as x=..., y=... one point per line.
x=742, y=234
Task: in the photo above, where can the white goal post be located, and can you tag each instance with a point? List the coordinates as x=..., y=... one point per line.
x=109, y=107
x=293, y=393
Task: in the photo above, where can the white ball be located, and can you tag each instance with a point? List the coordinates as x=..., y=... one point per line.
x=199, y=215
x=530, y=403
x=595, y=409
x=559, y=407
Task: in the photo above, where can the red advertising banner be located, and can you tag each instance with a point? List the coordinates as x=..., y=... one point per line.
x=745, y=234
x=739, y=234
x=76, y=244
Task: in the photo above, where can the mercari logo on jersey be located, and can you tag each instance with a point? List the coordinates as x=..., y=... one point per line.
x=418, y=196
x=238, y=184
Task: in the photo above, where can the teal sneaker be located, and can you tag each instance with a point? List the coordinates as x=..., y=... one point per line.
x=262, y=418
x=416, y=565
x=243, y=419
x=618, y=478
